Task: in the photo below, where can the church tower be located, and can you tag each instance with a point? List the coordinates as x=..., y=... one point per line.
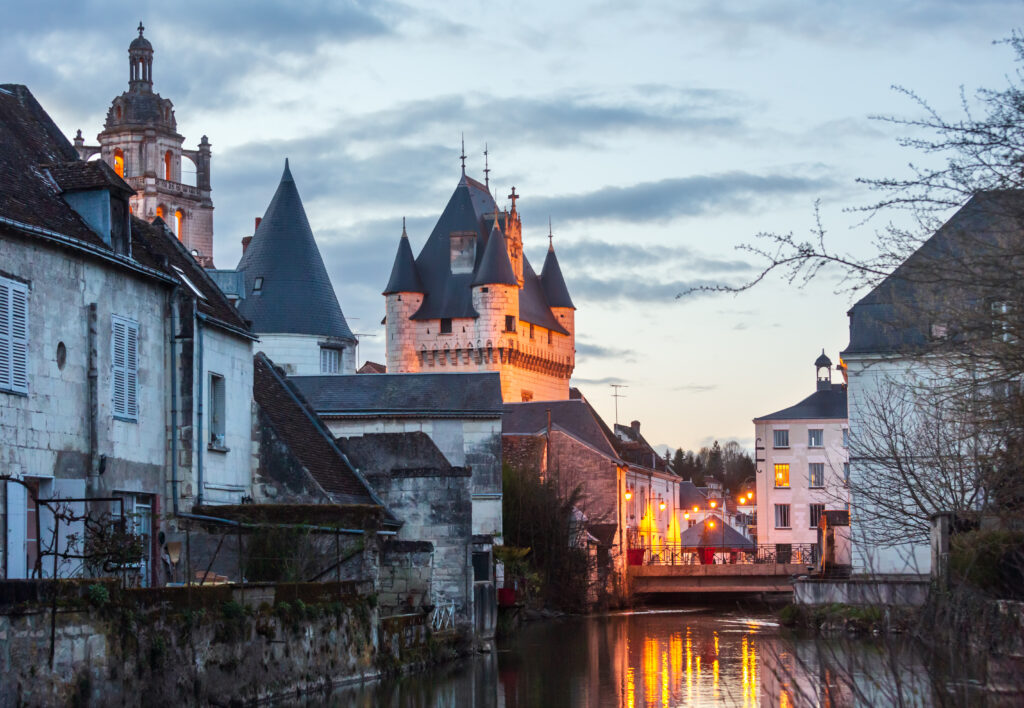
x=140, y=141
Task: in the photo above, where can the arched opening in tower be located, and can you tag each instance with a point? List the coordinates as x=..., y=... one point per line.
x=119, y=162
x=179, y=224
x=188, y=172
x=167, y=166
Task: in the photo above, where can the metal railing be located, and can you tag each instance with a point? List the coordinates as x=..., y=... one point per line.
x=443, y=616
x=767, y=553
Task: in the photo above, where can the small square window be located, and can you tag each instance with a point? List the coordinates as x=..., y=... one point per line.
x=846, y=437
x=782, y=516
x=257, y=284
x=816, y=437
x=510, y=323
x=782, y=474
x=816, y=511
x=330, y=361
x=446, y=326
x=816, y=474
x=780, y=438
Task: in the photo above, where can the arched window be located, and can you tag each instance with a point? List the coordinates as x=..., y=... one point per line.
x=167, y=165
x=179, y=223
x=160, y=211
x=119, y=162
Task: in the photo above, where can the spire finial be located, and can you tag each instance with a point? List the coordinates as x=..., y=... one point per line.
x=487, y=169
x=462, y=156
x=404, y=235
x=141, y=28
x=513, y=197
x=551, y=242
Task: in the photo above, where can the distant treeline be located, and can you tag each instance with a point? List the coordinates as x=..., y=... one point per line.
x=729, y=463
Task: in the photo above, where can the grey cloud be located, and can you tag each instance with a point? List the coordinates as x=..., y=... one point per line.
x=584, y=253
x=695, y=388
x=605, y=381
x=591, y=350
x=680, y=196
x=639, y=289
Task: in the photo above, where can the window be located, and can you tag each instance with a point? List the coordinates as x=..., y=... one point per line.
x=1001, y=321
x=138, y=512
x=510, y=323
x=217, y=411
x=167, y=165
x=531, y=330
x=330, y=361
x=446, y=326
x=691, y=523
x=160, y=212
x=13, y=336
x=780, y=438
x=527, y=396
x=257, y=284
x=816, y=474
x=125, y=368
x=816, y=511
x=846, y=437
x=549, y=337
x=782, y=474
x=782, y=516
x=119, y=162
x=816, y=438
x=179, y=224
x=481, y=565
x=846, y=473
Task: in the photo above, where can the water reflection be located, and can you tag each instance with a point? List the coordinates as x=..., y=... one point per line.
x=654, y=659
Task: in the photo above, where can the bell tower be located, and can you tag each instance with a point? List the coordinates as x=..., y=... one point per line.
x=140, y=140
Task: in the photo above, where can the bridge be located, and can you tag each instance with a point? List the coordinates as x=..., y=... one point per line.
x=706, y=569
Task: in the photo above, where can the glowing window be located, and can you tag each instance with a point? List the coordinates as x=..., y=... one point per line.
x=160, y=212
x=167, y=165
x=782, y=474
x=179, y=223
x=119, y=162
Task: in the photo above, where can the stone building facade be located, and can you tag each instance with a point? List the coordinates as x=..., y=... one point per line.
x=471, y=301
x=140, y=140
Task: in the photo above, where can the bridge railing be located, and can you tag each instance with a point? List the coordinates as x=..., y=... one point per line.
x=773, y=553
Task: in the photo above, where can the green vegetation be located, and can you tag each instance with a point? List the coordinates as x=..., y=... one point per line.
x=991, y=561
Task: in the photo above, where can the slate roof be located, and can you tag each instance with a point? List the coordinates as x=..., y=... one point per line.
x=296, y=296
x=385, y=452
x=97, y=174
x=823, y=361
x=722, y=536
x=896, y=316
x=409, y=395
x=828, y=404
x=574, y=417
x=309, y=441
x=404, y=278
x=495, y=268
x=690, y=496
x=448, y=295
x=555, y=290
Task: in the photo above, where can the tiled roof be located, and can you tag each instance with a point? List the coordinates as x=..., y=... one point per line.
x=296, y=295
x=722, y=536
x=450, y=295
x=372, y=367
x=828, y=404
x=897, y=315
x=426, y=395
x=79, y=175
x=297, y=425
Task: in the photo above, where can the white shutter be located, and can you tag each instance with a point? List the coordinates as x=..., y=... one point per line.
x=125, y=368
x=13, y=336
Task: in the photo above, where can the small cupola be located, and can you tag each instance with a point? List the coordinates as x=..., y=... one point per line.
x=140, y=61
x=823, y=368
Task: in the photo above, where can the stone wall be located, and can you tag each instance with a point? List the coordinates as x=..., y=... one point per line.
x=406, y=574
x=299, y=354
x=216, y=646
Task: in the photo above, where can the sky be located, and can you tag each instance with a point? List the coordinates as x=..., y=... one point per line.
x=656, y=136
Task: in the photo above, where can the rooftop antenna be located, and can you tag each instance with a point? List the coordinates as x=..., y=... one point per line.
x=551, y=243
x=617, y=396
x=462, y=156
x=487, y=169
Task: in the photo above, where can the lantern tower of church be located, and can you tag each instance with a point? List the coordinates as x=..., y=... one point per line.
x=140, y=140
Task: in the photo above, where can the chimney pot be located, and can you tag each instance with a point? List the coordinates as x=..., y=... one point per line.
x=245, y=242
x=258, y=220
x=635, y=425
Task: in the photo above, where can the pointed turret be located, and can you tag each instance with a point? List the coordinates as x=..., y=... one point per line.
x=404, y=277
x=495, y=267
x=555, y=291
x=287, y=287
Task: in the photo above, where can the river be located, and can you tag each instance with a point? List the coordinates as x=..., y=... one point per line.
x=658, y=658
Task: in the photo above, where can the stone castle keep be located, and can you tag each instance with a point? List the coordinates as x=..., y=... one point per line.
x=471, y=301
x=140, y=141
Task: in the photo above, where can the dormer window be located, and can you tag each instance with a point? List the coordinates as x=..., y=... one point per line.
x=463, y=251
x=257, y=284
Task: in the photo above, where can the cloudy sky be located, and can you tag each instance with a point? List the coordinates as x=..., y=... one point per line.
x=656, y=136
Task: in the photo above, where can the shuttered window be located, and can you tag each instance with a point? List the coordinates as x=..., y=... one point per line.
x=125, y=368
x=13, y=336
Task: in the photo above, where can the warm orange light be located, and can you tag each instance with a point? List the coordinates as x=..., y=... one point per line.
x=662, y=506
x=711, y=524
x=629, y=495
x=714, y=504
x=686, y=515
x=750, y=495
x=694, y=510
x=743, y=500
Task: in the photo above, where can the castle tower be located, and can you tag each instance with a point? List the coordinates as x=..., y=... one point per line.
x=403, y=297
x=289, y=297
x=471, y=301
x=140, y=141
x=557, y=293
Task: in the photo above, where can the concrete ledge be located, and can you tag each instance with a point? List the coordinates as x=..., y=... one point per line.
x=911, y=591
x=739, y=570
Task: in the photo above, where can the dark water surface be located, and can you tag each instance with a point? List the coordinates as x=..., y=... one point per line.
x=652, y=658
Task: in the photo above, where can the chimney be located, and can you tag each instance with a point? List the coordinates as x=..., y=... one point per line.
x=246, y=240
x=635, y=425
x=257, y=227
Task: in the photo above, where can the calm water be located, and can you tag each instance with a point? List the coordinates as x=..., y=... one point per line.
x=655, y=658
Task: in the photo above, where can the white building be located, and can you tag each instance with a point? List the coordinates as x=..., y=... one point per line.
x=802, y=462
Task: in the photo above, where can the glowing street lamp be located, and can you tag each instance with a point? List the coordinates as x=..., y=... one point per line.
x=662, y=505
x=713, y=503
x=629, y=493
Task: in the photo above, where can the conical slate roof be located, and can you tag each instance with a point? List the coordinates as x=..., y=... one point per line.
x=295, y=294
x=722, y=536
x=554, y=284
x=404, y=278
x=495, y=267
